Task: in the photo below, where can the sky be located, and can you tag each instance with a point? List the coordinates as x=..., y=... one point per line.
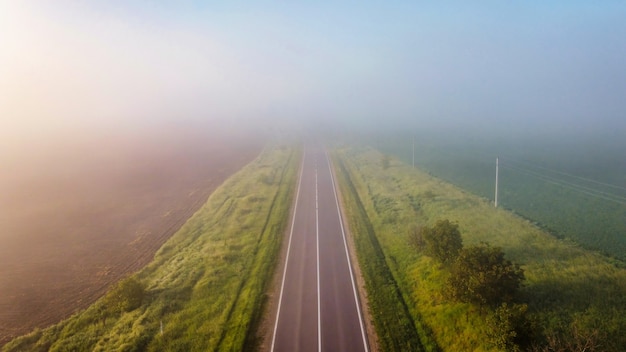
x=69, y=67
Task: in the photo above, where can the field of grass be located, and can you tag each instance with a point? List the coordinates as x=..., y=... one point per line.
x=573, y=189
x=569, y=290
x=205, y=288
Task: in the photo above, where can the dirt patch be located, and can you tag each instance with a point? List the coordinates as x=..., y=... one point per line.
x=78, y=216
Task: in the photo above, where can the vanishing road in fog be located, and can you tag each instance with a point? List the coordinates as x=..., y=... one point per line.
x=318, y=308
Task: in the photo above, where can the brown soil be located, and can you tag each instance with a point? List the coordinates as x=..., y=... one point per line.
x=77, y=216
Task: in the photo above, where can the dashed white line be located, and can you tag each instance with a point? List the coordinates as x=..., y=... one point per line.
x=319, y=327
x=317, y=238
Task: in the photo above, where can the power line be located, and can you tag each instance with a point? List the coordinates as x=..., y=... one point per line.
x=586, y=188
x=582, y=185
x=566, y=174
x=577, y=188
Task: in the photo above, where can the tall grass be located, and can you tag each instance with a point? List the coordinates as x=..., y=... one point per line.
x=206, y=284
x=573, y=190
x=395, y=327
x=566, y=285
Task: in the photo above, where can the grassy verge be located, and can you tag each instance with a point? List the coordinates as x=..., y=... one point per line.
x=205, y=287
x=568, y=289
x=394, y=324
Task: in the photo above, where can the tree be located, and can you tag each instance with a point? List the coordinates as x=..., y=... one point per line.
x=443, y=241
x=481, y=275
x=509, y=328
x=127, y=295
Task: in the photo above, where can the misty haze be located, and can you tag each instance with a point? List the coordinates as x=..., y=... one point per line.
x=278, y=177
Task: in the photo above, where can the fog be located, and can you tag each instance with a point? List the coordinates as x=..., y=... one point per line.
x=73, y=68
x=117, y=118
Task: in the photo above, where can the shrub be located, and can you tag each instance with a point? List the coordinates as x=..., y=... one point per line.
x=442, y=242
x=126, y=296
x=509, y=328
x=480, y=275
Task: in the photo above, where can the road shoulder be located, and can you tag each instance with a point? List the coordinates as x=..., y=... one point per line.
x=372, y=337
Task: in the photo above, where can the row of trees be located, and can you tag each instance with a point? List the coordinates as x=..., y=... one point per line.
x=479, y=275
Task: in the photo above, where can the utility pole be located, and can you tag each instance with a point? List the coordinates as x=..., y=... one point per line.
x=414, y=152
x=496, y=202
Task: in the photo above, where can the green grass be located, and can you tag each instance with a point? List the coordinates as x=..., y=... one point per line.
x=572, y=207
x=394, y=324
x=566, y=285
x=207, y=284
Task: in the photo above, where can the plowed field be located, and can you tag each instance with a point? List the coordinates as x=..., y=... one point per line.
x=78, y=215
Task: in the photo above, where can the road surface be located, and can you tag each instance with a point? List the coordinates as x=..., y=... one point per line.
x=318, y=307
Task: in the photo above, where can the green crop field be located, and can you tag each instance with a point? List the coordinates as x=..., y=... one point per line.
x=574, y=189
x=205, y=288
x=573, y=294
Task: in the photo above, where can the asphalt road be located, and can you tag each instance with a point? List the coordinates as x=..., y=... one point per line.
x=318, y=308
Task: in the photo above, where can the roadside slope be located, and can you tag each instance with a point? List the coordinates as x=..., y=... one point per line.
x=204, y=288
x=568, y=290
x=107, y=202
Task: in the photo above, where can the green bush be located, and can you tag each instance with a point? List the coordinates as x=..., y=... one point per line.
x=509, y=327
x=442, y=241
x=127, y=295
x=481, y=275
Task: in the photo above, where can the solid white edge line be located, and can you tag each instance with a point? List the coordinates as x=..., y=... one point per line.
x=282, y=286
x=345, y=244
x=317, y=238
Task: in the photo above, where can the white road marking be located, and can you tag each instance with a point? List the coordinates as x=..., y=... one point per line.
x=343, y=233
x=282, y=286
x=354, y=290
x=317, y=238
